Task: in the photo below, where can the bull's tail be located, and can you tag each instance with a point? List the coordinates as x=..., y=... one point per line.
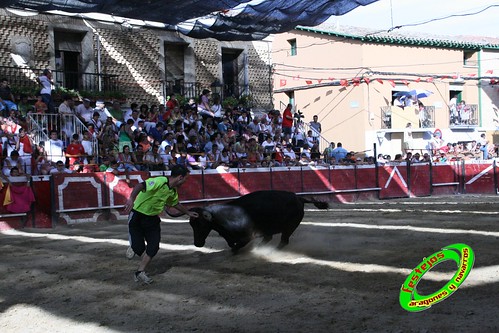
x=318, y=204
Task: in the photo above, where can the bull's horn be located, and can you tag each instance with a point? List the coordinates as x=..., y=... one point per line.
x=207, y=215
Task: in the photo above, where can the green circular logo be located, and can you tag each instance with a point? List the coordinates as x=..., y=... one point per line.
x=464, y=257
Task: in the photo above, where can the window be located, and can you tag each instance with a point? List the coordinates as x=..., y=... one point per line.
x=293, y=50
x=470, y=58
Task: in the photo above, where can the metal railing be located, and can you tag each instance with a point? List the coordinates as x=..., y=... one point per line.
x=466, y=116
x=38, y=128
x=186, y=89
x=23, y=79
x=426, y=117
x=86, y=81
x=65, y=124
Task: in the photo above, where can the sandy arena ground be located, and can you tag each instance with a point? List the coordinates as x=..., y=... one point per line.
x=342, y=272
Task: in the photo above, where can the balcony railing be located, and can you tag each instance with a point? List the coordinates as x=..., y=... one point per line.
x=24, y=79
x=66, y=125
x=426, y=117
x=86, y=81
x=466, y=116
x=180, y=87
x=194, y=89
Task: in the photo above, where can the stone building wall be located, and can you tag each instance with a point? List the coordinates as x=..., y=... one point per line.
x=136, y=55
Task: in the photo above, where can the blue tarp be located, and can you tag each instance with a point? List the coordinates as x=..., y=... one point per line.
x=222, y=20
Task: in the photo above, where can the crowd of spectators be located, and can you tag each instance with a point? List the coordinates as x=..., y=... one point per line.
x=199, y=135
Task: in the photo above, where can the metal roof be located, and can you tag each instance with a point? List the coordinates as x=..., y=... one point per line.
x=424, y=40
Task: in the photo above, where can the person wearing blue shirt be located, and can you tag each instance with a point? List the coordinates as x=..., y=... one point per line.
x=339, y=152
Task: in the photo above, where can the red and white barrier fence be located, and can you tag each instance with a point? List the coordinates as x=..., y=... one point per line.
x=91, y=197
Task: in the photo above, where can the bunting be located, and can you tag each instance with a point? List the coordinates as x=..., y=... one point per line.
x=344, y=83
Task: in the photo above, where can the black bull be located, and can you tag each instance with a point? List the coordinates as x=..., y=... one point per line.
x=263, y=213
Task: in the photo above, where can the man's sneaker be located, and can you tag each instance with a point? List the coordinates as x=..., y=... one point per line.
x=142, y=277
x=129, y=253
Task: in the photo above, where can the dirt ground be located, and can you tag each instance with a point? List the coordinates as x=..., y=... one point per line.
x=342, y=272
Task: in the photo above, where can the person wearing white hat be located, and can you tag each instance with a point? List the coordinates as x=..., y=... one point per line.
x=84, y=111
x=100, y=107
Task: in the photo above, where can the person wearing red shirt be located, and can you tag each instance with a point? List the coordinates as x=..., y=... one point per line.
x=24, y=145
x=75, y=151
x=287, y=121
x=171, y=105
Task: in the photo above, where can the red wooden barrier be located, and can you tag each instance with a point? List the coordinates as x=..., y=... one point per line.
x=446, y=178
x=393, y=181
x=99, y=196
x=287, y=179
x=479, y=178
x=420, y=180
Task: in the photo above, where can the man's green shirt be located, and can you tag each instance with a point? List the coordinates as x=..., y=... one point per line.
x=156, y=196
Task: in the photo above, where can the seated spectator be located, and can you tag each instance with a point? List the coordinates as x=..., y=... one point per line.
x=416, y=158
x=109, y=135
x=40, y=106
x=75, y=151
x=213, y=157
x=223, y=126
x=144, y=141
x=304, y=159
x=139, y=157
x=381, y=159
x=315, y=154
x=96, y=122
x=398, y=158
x=87, y=144
x=288, y=151
x=287, y=161
x=153, y=161
x=60, y=168
x=310, y=139
x=14, y=172
x=114, y=168
x=339, y=152
x=268, y=145
x=156, y=132
x=91, y=166
x=42, y=164
x=127, y=160
x=203, y=107
x=240, y=148
x=13, y=161
x=106, y=163
x=84, y=111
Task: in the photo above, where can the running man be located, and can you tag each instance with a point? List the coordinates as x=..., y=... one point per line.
x=146, y=202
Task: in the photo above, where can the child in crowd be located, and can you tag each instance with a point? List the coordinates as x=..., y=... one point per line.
x=40, y=106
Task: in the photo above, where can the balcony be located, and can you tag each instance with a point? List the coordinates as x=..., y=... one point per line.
x=396, y=117
x=23, y=80
x=464, y=117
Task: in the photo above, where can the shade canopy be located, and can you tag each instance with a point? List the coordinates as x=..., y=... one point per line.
x=222, y=20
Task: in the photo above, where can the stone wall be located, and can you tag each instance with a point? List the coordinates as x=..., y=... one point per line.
x=136, y=55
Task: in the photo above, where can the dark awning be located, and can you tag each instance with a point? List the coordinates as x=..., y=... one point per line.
x=223, y=20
